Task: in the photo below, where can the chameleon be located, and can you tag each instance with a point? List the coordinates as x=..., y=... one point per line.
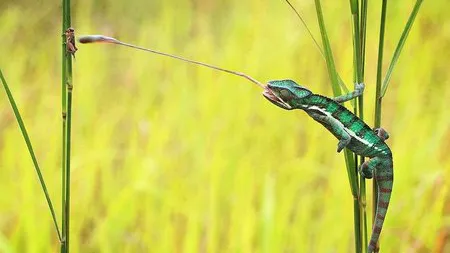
x=351, y=132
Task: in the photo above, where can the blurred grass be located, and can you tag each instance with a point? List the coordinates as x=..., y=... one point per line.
x=169, y=157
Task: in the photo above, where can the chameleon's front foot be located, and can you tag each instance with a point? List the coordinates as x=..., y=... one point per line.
x=359, y=88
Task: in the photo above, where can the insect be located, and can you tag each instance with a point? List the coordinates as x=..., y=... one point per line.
x=70, y=41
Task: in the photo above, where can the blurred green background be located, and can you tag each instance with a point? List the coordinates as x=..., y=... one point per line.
x=169, y=157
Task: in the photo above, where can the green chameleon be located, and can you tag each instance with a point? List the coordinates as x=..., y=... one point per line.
x=351, y=132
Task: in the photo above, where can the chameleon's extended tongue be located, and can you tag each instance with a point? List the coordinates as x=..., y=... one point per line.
x=104, y=39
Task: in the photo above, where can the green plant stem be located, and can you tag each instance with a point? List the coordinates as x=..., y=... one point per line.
x=363, y=32
x=362, y=206
x=63, y=161
x=400, y=45
x=327, y=50
x=358, y=56
x=68, y=144
x=31, y=151
x=378, y=98
x=356, y=40
x=66, y=103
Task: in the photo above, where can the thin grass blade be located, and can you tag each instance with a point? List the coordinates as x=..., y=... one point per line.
x=327, y=51
x=363, y=32
x=349, y=160
x=31, y=151
x=400, y=45
x=341, y=82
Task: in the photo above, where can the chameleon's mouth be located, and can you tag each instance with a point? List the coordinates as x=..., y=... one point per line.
x=272, y=97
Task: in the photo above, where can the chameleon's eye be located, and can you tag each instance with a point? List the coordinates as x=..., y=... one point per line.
x=285, y=94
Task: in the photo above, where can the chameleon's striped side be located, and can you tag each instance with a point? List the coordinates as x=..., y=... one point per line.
x=365, y=141
x=351, y=132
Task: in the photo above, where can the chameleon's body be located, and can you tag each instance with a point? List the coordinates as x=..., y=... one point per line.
x=351, y=132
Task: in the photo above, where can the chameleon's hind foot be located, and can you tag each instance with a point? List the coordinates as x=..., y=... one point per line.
x=366, y=170
x=383, y=134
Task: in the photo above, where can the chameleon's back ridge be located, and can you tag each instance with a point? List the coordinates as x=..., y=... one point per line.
x=351, y=132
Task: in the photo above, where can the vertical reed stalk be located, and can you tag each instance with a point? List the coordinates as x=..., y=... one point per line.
x=363, y=32
x=382, y=85
x=358, y=75
x=359, y=19
x=66, y=102
x=378, y=98
x=63, y=115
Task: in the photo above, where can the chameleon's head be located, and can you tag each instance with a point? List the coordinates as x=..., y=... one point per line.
x=285, y=93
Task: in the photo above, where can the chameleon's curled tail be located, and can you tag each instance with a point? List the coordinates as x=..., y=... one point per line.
x=385, y=179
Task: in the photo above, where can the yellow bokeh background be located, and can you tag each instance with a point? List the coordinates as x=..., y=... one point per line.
x=171, y=157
